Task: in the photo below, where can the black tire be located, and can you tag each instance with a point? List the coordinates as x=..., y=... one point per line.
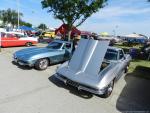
x=28, y=44
x=126, y=69
x=108, y=90
x=42, y=64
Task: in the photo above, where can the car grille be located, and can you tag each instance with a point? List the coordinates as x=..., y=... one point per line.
x=76, y=84
x=72, y=83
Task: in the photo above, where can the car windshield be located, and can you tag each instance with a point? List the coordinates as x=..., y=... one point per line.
x=111, y=55
x=54, y=45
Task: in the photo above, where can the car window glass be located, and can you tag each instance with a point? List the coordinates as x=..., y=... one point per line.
x=111, y=55
x=10, y=36
x=3, y=34
x=54, y=45
x=84, y=36
x=20, y=35
x=121, y=54
x=67, y=46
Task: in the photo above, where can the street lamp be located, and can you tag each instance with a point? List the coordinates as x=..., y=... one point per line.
x=18, y=12
x=114, y=31
x=0, y=42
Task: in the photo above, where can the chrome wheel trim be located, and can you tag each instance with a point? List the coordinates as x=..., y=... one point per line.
x=43, y=64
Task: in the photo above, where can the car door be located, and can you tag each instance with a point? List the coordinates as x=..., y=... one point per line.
x=19, y=40
x=58, y=55
x=68, y=49
x=9, y=40
x=121, y=63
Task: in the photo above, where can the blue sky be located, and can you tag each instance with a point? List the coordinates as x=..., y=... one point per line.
x=123, y=16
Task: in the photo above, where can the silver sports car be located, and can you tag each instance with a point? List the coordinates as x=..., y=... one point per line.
x=94, y=67
x=57, y=51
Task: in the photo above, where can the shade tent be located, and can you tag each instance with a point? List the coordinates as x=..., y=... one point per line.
x=138, y=36
x=26, y=28
x=63, y=30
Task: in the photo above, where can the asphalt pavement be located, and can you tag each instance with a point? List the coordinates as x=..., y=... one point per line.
x=26, y=90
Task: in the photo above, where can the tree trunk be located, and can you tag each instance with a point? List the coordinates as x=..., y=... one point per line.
x=69, y=35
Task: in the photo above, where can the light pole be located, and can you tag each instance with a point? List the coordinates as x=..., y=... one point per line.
x=114, y=31
x=18, y=13
x=0, y=42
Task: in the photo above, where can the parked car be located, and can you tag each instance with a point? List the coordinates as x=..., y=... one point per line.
x=145, y=51
x=9, y=39
x=50, y=34
x=57, y=51
x=94, y=67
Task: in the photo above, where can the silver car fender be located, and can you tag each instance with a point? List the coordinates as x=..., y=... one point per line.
x=107, y=75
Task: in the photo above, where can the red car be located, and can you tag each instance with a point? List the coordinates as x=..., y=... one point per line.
x=16, y=39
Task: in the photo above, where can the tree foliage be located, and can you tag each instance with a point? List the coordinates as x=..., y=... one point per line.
x=73, y=12
x=23, y=23
x=9, y=16
x=42, y=26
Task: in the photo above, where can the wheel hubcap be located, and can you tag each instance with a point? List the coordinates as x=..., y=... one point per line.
x=43, y=64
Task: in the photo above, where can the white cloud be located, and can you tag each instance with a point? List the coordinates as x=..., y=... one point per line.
x=120, y=11
x=122, y=29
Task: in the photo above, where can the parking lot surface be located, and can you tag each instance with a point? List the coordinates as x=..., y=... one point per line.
x=26, y=90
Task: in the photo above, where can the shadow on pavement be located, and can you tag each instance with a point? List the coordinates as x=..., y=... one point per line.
x=19, y=46
x=72, y=90
x=135, y=96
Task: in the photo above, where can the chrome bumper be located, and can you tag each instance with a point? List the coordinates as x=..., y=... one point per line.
x=79, y=86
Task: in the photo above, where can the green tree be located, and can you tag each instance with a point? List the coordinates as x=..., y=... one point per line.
x=72, y=12
x=23, y=23
x=42, y=26
x=9, y=16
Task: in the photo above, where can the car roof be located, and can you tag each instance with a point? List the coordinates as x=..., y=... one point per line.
x=11, y=32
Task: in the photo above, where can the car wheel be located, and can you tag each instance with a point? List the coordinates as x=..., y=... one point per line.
x=126, y=69
x=42, y=64
x=108, y=90
x=28, y=44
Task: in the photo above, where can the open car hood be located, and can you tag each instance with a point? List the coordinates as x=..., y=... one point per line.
x=86, y=59
x=88, y=56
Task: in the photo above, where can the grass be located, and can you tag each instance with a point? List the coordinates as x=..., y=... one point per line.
x=134, y=63
x=138, y=67
x=127, y=48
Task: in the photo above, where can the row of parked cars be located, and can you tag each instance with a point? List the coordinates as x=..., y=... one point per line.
x=94, y=66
